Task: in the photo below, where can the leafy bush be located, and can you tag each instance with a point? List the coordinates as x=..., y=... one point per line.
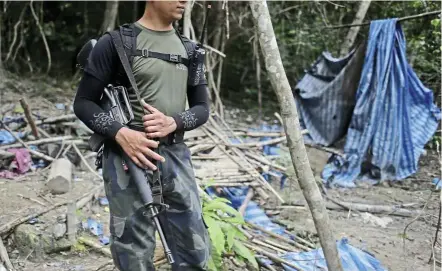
x=226, y=239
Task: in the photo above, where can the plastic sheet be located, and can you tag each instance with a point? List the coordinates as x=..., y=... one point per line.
x=394, y=116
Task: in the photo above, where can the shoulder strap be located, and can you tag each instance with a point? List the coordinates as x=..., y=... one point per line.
x=188, y=44
x=116, y=38
x=129, y=35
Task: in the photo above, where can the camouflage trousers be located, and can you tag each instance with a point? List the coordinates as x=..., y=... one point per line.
x=133, y=234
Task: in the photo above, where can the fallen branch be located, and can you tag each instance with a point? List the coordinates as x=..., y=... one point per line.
x=85, y=162
x=282, y=238
x=361, y=207
x=251, y=171
x=56, y=119
x=5, y=228
x=241, y=155
x=6, y=154
x=243, y=207
x=271, y=256
x=31, y=199
x=101, y=267
x=103, y=250
x=41, y=141
x=265, y=162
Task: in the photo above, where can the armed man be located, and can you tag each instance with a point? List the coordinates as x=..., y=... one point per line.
x=166, y=69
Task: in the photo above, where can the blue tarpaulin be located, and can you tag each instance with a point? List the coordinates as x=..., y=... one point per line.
x=394, y=114
x=325, y=96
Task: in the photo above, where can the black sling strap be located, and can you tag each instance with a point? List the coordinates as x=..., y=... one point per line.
x=156, y=180
x=129, y=35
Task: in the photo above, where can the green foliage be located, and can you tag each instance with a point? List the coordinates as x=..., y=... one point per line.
x=222, y=221
x=299, y=28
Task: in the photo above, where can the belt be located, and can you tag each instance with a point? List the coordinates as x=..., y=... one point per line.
x=172, y=138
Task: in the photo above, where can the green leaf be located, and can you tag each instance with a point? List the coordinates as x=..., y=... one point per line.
x=212, y=265
x=244, y=252
x=216, y=234
x=230, y=238
x=216, y=258
x=216, y=205
x=237, y=220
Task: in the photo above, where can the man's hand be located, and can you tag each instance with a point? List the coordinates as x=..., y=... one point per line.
x=157, y=124
x=138, y=146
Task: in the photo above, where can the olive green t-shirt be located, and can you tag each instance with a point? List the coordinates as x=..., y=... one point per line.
x=161, y=84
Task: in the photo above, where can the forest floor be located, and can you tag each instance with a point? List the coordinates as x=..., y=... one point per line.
x=379, y=234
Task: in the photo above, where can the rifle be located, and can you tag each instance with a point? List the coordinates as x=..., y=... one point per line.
x=116, y=102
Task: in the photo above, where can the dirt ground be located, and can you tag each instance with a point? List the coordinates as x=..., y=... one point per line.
x=385, y=242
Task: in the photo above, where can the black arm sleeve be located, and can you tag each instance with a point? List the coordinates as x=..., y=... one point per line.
x=98, y=73
x=198, y=112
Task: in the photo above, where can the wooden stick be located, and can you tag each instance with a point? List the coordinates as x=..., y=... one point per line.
x=265, y=161
x=285, y=247
x=229, y=155
x=41, y=141
x=431, y=13
x=4, y=256
x=264, y=264
x=258, y=134
x=71, y=222
x=14, y=223
x=101, y=267
x=362, y=207
x=5, y=228
x=85, y=162
x=31, y=199
x=260, y=243
x=104, y=250
x=28, y=116
x=272, y=256
x=238, y=153
x=249, y=196
x=277, y=236
x=56, y=119
x=6, y=154
x=43, y=132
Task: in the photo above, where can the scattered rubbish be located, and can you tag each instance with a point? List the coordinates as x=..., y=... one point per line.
x=60, y=106
x=437, y=183
x=7, y=138
x=93, y=226
x=21, y=163
x=104, y=201
x=33, y=221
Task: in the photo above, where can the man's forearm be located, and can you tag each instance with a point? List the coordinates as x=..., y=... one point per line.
x=86, y=108
x=199, y=110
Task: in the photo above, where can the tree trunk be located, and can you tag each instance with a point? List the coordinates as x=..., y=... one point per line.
x=301, y=164
x=353, y=32
x=110, y=16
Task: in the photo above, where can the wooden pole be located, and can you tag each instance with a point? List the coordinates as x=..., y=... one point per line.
x=29, y=118
x=295, y=142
